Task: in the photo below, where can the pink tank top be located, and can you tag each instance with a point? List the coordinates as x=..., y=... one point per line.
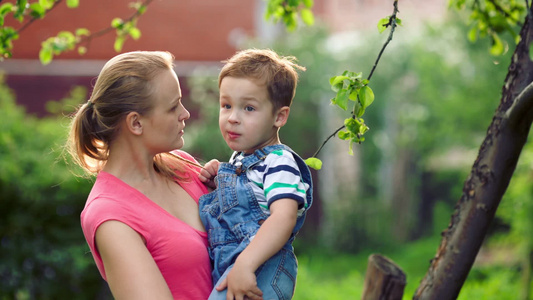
x=179, y=250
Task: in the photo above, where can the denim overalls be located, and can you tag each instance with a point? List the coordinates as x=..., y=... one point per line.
x=232, y=217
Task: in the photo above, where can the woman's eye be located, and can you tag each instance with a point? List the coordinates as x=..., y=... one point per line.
x=249, y=108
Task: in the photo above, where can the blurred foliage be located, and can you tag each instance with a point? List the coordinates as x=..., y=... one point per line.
x=203, y=138
x=516, y=210
x=491, y=19
x=289, y=12
x=42, y=248
x=323, y=274
x=437, y=92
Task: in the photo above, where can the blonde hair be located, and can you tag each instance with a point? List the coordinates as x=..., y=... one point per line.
x=278, y=73
x=124, y=85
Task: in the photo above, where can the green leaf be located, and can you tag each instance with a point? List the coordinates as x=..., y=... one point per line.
x=307, y=16
x=353, y=95
x=117, y=23
x=344, y=135
x=119, y=42
x=399, y=21
x=142, y=9
x=363, y=129
x=337, y=82
x=366, y=96
x=67, y=36
x=82, y=50
x=294, y=3
x=358, y=110
x=497, y=47
x=135, y=33
x=353, y=75
x=352, y=125
x=337, y=79
x=82, y=31
x=5, y=9
x=73, y=3
x=291, y=20
x=342, y=99
x=37, y=10
x=45, y=55
x=308, y=3
x=314, y=163
x=382, y=24
x=45, y=4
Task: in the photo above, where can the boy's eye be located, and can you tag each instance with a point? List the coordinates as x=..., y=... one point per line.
x=249, y=108
x=226, y=106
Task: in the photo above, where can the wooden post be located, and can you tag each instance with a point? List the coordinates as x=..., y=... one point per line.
x=384, y=280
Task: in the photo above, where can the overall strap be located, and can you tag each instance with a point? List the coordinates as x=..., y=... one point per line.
x=260, y=155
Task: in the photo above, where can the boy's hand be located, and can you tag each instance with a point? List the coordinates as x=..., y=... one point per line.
x=241, y=283
x=208, y=173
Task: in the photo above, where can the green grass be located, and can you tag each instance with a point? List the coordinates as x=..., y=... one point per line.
x=331, y=276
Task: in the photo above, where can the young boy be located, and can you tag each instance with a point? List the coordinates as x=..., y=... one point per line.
x=264, y=191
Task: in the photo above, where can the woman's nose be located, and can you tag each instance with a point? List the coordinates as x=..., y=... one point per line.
x=184, y=114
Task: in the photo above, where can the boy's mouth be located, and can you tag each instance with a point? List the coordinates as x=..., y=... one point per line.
x=233, y=135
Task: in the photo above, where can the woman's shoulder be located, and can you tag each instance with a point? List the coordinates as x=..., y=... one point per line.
x=110, y=198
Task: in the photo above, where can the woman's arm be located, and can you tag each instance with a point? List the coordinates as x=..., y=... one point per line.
x=270, y=238
x=130, y=269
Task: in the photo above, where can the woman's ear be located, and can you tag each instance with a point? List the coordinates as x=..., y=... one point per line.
x=282, y=116
x=133, y=123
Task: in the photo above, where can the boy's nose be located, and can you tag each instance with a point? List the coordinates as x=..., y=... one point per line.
x=233, y=118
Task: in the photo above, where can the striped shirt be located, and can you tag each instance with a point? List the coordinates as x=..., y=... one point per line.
x=276, y=177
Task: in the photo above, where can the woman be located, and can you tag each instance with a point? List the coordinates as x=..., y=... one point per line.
x=141, y=218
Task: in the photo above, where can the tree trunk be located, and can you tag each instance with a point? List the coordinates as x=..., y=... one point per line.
x=488, y=180
x=384, y=280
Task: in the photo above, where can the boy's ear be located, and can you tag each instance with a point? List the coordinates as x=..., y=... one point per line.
x=133, y=123
x=282, y=116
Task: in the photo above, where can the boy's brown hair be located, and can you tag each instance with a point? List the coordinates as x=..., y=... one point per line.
x=277, y=73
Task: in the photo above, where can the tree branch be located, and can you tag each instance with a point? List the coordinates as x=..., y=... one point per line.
x=327, y=139
x=522, y=110
x=27, y=24
x=393, y=27
x=393, y=24
x=488, y=180
x=88, y=39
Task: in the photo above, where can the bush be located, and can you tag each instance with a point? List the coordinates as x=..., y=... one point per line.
x=43, y=252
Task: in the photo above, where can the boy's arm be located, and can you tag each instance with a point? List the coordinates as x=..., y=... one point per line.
x=270, y=238
x=208, y=172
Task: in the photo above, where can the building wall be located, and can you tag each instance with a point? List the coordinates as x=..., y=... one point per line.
x=192, y=30
x=197, y=33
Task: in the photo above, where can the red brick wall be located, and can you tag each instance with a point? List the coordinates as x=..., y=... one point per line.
x=190, y=29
